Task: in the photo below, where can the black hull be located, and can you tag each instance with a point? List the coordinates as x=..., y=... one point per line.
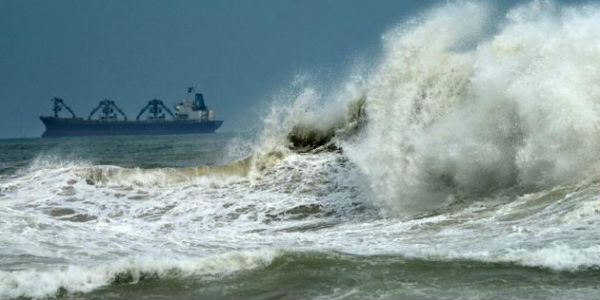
x=60, y=127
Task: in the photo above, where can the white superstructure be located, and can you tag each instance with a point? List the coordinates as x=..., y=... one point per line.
x=193, y=108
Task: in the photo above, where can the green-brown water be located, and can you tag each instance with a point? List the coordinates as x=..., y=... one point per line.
x=299, y=230
x=464, y=164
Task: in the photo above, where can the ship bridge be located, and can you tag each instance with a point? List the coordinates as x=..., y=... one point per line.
x=193, y=108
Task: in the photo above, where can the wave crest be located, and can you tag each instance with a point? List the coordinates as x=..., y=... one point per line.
x=455, y=114
x=75, y=279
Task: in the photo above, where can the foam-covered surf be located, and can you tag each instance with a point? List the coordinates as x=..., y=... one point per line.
x=75, y=279
x=463, y=164
x=75, y=237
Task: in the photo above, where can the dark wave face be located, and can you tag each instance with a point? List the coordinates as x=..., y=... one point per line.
x=464, y=164
x=332, y=275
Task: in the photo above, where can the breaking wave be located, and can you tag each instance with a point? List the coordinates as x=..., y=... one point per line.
x=72, y=279
x=279, y=267
x=460, y=108
x=472, y=140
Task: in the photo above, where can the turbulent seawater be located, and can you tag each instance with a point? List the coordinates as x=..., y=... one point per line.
x=463, y=163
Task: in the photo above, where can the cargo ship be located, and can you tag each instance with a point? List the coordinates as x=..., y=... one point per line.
x=191, y=116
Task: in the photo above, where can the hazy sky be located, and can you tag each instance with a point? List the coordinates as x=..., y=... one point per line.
x=238, y=53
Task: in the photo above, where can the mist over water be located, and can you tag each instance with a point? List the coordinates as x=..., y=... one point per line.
x=462, y=164
x=459, y=107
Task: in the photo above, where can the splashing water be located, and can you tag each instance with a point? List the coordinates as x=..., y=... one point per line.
x=464, y=164
x=517, y=109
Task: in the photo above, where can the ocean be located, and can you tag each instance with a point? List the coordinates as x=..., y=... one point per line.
x=158, y=217
x=462, y=163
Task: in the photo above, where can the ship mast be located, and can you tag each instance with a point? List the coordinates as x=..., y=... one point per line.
x=58, y=103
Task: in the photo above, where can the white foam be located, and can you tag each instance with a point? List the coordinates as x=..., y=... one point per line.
x=46, y=283
x=448, y=123
x=556, y=256
x=518, y=109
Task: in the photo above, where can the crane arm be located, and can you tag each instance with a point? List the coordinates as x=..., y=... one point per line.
x=143, y=110
x=167, y=109
x=119, y=110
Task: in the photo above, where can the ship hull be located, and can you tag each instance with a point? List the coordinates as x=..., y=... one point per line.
x=61, y=127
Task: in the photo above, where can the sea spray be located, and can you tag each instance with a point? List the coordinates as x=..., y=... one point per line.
x=498, y=124
x=518, y=109
x=461, y=108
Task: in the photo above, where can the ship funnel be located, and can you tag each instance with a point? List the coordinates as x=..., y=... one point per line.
x=199, y=102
